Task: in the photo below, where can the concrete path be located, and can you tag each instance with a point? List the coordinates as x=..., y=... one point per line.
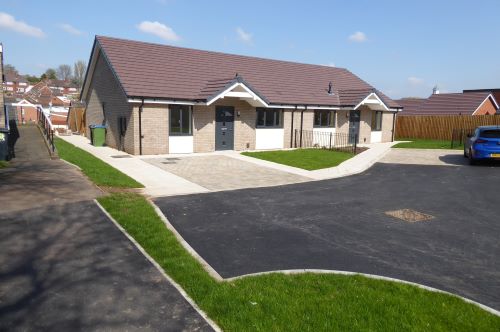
x=156, y=181
x=342, y=224
x=64, y=266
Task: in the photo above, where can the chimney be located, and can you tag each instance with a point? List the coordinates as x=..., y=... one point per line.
x=435, y=91
x=330, y=88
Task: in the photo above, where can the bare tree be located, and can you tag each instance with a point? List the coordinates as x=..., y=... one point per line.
x=10, y=69
x=63, y=72
x=78, y=72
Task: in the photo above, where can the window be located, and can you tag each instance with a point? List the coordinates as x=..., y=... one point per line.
x=180, y=120
x=268, y=118
x=377, y=121
x=324, y=118
x=490, y=133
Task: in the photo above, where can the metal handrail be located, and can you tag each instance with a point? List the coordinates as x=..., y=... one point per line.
x=47, y=126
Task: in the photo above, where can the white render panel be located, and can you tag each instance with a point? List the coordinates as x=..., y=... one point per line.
x=269, y=138
x=376, y=137
x=180, y=144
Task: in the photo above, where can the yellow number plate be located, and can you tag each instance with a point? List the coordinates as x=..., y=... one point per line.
x=495, y=155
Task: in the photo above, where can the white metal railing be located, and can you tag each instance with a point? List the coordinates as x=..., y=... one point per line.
x=46, y=125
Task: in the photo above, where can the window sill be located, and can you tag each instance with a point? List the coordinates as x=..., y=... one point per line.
x=180, y=135
x=268, y=127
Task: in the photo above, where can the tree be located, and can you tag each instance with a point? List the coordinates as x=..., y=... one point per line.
x=10, y=69
x=79, y=72
x=33, y=79
x=49, y=74
x=64, y=72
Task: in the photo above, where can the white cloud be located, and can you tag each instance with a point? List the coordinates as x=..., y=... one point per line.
x=415, y=80
x=358, y=37
x=70, y=29
x=158, y=29
x=9, y=22
x=245, y=37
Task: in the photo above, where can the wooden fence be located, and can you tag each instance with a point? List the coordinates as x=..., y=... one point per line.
x=76, y=120
x=439, y=127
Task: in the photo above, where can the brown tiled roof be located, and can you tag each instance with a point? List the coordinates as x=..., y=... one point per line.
x=410, y=105
x=452, y=103
x=167, y=72
x=13, y=77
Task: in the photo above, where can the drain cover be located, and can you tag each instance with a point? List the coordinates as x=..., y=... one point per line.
x=122, y=156
x=168, y=162
x=172, y=159
x=409, y=215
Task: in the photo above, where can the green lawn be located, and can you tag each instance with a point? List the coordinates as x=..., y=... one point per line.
x=101, y=173
x=3, y=164
x=304, y=302
x=425, y=144
x=309, y=159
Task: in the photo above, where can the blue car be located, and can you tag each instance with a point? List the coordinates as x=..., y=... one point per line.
x=483, y=144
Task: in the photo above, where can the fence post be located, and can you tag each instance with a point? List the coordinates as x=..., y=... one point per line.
x=331, y=134
x=355, y=143
x=295, y=139
x=52, y=139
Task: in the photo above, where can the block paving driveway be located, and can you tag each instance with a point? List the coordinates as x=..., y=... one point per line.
x=341, y=224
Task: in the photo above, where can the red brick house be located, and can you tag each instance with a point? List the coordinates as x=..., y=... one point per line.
x=467, y=103
x=158, y=99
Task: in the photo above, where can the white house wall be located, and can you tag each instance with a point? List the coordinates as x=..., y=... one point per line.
x=269, y=138
x=180, y=144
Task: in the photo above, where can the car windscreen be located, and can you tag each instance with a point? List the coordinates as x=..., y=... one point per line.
x=490, y=133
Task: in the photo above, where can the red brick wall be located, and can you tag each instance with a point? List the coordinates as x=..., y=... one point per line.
x=487, y=108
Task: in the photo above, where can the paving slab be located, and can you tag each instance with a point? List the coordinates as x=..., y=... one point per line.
x=220, y=172
x=440, y=157
x=342, y=224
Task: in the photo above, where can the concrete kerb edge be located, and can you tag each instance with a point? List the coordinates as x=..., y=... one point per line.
x=160, y=269
x=311, y=174
x=371, y=276
x=71, y=164
x=210, y=270
x=217, y=276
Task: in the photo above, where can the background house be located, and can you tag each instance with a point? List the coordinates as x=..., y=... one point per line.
x=479, y=102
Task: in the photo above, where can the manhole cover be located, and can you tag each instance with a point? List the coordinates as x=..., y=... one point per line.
x=409, y=215
x=122, y=156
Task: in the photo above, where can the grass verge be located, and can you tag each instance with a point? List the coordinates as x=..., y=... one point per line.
x=303, y=302
x=3, y=164
x=425, y=144
x=101, y=173
x=308, y=159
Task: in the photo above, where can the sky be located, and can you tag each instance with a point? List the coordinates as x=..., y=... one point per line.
x=403, y=48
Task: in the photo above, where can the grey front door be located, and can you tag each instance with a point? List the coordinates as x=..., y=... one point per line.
x=354, y=118
x=224, y=128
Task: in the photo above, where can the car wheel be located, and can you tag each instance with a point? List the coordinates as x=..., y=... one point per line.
x=472, y=161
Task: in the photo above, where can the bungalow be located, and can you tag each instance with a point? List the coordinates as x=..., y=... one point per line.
x=157, y=99
x=466, y=103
